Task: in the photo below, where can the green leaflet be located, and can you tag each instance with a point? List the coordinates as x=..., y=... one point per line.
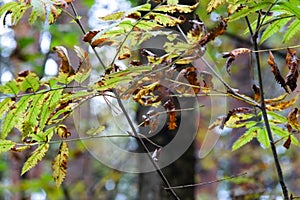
x=15, y=115
x=31, y=115
x=263, y=137
x=276, y=118
x=4, y=106
x=35, y=157
x=283, y=133
x=50, y=102
x=172, y=2
x=290, y=6
x=293, y=28
x=17, y=9
x=245, y=138
x=10, y=87
x=250, y=9
x=273, y=28
x=6, y=145
x=30, y=81
x=59, y=165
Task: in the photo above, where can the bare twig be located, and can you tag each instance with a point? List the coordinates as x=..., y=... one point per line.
x=263, y=107
x=134, y=131
x=207, y=183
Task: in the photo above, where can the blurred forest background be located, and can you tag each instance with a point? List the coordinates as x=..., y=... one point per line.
x=25, y=47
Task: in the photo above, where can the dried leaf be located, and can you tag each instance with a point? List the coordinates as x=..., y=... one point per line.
x=293, y=120
x=278, y=77
x=219, y=30
x=65, y=66
x=59, y=165
x=170, y=108
x=256, y=90
x=231, y=56
x=276, y=99
x=90, y=35
x=84, y=69
x=198, y=30
x=281, y=105
x=292, y=63
x=287, y=143
x=207, y=80
x=62, y=131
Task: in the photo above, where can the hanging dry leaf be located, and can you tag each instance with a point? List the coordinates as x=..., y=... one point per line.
x=90, y=35
x=198, y=30
x=170, y=108
x=293, y=120
x=287, y=143
x=256, y=90
x=231, y=56
x=219, y=30
x=62, y=131
x=292, y=63
x=278, y=77
x=65, y=66
x=207, y=80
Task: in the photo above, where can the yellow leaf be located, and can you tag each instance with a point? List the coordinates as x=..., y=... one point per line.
x=281, y=105
x=212, y=5
x=59, y=165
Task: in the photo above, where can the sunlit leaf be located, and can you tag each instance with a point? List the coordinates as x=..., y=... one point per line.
x=176, y=8
x=17, y=9
x=246, y=138
x=293, y=28
x=10, y=87
x=14, y=116
x=263, y=137
x=35, y=157
x=6, y=145
x=283, y=133
x=212, y=5
x=282, y=105
x=164, y=19
x=276, y=99
x=5, y=106
x=113, y=16
x=59, y=165
x=28, y=80
x=273, y=28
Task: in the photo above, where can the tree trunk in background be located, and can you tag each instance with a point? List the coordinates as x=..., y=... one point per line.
x=182, y=171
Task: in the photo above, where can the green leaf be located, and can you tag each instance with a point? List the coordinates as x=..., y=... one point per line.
x=276, y=118
x=273, y=28
x=15, y=115
x=172, y=2
x=6, y=145
x=245, y=138
x=35, y=157
x=113, y=16
x=31, y=115
x=250, y=9
x=293, y=28
x=16, y=8
x=50, y=102
x=10, y=87
x=28, y=81
x=5, y=106
x=283, y=133
x=290, y=6
x=38, y=11
x=59, y=165
x=176, y=8
x=263, y=137
x=164, y=19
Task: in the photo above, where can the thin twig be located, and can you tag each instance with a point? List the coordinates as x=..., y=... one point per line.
x=264, y=111
x=207, y=183
x=134, y=131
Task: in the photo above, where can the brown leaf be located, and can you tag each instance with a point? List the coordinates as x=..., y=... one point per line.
x=90, y=35
x=219, y=30
x=170, y=108
x=101, y=42
x=287, y=143
x=198, y=30
x=292, y=63
x=231, y=56
x=293, y=120
x=65, y=66
x=278, y=77
x=256, y=90
x=207, y=79
x=281, y=105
